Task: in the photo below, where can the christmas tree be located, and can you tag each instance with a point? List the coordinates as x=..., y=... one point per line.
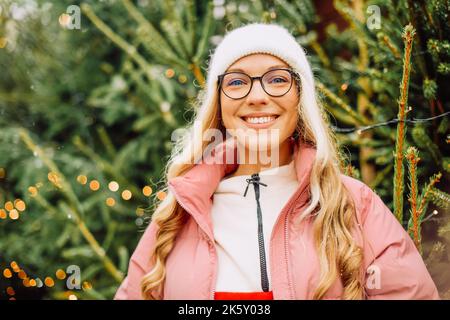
x=91, y=93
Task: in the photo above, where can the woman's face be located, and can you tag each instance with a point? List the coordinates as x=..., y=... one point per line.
x=239, y=115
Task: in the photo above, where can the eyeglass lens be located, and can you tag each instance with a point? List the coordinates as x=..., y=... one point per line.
x=237, y=85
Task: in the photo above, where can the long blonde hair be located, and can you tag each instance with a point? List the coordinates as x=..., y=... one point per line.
x=330, y=202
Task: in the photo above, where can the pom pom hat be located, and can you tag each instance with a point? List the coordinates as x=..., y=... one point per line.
x=257, y=38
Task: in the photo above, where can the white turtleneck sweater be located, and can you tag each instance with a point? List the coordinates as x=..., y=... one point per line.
x=235, y=225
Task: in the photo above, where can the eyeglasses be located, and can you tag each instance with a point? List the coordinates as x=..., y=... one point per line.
x=275, y=82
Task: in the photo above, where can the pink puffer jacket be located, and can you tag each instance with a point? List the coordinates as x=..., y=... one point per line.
x=395, y=269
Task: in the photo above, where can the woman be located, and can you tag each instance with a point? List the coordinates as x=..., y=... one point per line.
x=269, y=216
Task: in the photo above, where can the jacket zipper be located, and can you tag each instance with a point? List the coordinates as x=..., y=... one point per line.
x=286, y=244
x=262, y=251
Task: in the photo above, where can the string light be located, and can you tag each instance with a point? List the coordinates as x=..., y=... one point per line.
x=37, y=282
x=7, y=273
x=147, y=191
x=60, y=274
x=435, y=212
x=359, y=130
x=86, y=285
x=94, y=185
x=14, y=214
x=82, y=179
x=26, y=283
x=161, y=195
x=10, y=291
x=140, y=212
x=64, y=20
x=15, y=266
x=9, y=206
x=113, y=186
x=33, y=191
x=110, y=202
x=170, y=73
x=126, y=194
x=19, y=204
x=22, y=275
x=54, y=178
x=49, y=282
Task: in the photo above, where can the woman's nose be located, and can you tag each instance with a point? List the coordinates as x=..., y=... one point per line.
x=257, y=95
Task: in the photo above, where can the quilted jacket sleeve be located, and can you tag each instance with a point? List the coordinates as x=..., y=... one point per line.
x=396, y=269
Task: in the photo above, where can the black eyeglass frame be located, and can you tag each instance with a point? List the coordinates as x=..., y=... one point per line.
x=295, y=76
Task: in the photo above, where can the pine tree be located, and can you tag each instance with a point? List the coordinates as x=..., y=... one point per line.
x=88, y=116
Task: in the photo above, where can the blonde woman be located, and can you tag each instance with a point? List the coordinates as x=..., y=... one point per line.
x=268, y=216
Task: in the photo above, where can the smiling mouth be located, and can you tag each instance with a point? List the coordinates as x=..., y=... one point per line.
x=260, y=120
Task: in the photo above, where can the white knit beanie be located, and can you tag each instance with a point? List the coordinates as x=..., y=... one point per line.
x=257, y=38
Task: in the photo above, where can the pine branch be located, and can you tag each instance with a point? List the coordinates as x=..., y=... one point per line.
x=408, y=36
x=388, y=42
x=75, y=209
x=412, y=156
x=426, y=193
x=359, y=119
x=155, y=42
x=119, y=41
x=203, y=44
x=421, y=138
x=440, y=198
x=107, y=167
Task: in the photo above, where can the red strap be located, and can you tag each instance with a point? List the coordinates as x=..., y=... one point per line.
x=243, y=295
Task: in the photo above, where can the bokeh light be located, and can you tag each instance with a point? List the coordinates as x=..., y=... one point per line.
x=82, y=179
x=161, y=195
x=113, y=186
x=126, y=194
x=7, y=273
x=86, y=285
x=60, y=274
x=49, y=282
x=22, y=275
x=9, y=206
x=54, y=179
x=10, y=291
x=33, y=191
x=19, y=204
x=147, y=191
x=94, y=185
x=110, y=202
x=14, y=214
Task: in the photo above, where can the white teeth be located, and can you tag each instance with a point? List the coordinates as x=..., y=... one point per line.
x=260, y=119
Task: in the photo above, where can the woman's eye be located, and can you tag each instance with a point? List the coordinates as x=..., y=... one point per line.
x=278, y=80
x=236, y=82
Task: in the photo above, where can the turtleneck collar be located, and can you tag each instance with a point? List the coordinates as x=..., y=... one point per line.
x=275, y=178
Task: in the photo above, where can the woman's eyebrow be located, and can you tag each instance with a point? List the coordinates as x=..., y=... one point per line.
x=241, y=70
